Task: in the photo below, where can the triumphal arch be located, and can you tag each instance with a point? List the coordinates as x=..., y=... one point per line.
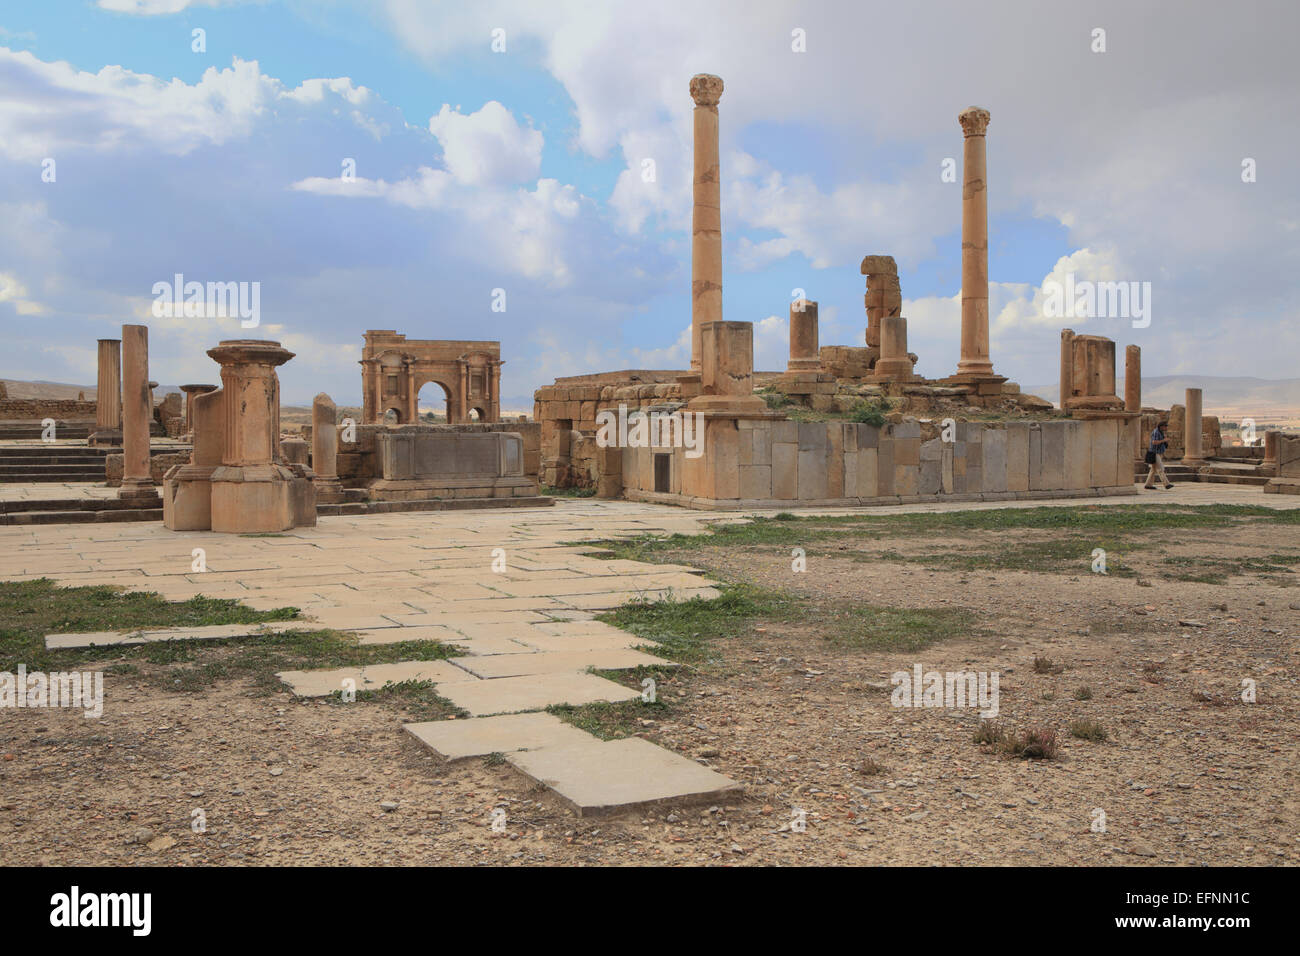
x=394, y=368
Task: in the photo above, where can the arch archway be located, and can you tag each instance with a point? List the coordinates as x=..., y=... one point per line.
x=434, y=403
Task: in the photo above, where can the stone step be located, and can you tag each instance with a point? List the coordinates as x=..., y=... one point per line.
x=431, y=504
x=81, y=517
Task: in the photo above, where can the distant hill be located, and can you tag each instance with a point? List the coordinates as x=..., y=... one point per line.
x=56, y=391
x=1267, y=401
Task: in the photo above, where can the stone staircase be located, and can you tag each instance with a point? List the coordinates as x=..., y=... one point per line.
x=51, y=463
x=1237, y=470
x=33, y=429
x=74, y=511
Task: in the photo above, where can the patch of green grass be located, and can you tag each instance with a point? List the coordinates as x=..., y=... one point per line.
x=869, y=413
x=32, y=609
x=416, y=697
x=684, y=629
x=871, y=628
x=611, y=721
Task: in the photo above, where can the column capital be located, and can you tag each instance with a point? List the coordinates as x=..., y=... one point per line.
x=706, y=89
x=974, y=121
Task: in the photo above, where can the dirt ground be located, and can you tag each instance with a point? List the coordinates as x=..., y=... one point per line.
x=1188, y=774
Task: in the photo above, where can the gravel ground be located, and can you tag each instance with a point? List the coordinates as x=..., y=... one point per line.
x=1188, y=775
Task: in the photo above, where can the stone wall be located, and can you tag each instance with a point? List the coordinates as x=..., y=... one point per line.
x=28, y=409
x=766, y=463
x=1287, y=479
x=358, y=462
x=158, y=466
x=568, y=460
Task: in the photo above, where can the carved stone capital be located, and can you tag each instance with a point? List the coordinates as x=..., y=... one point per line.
x=706, y=89
x=974, y=121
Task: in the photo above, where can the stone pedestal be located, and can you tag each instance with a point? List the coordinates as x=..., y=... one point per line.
x=975, y=360
x=137, y=415
x=1193, y=442
x=727, y=372
x=254, y=490
x=108, y=396
x=706, y=214
x=325, y=449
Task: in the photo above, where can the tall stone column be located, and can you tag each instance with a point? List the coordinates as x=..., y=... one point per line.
x=1067, y=367
x=137, y=415
x=325, y=448
x=706, y=214
x=108, y=397
x=1133, y=378
x=804, y=353
x=974, y=247
x=1193, y=451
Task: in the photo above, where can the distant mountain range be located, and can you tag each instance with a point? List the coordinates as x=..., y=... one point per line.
x=55, y=391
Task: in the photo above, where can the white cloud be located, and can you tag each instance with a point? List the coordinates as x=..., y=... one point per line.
x=488, y=147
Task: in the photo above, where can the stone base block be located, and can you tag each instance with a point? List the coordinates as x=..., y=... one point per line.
x=419, y=489
x=253, y=499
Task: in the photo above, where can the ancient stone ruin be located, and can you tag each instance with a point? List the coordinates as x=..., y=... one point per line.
x=394, y=369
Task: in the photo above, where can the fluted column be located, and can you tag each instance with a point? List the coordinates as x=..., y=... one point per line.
x=706, y=213
x=974, y=247
x=108, y=396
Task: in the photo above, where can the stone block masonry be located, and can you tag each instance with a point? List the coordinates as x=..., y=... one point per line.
x=756, y=463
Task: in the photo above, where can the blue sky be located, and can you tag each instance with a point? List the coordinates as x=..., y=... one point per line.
x=521, y=170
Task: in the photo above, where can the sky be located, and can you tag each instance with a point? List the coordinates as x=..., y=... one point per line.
x=410, y=164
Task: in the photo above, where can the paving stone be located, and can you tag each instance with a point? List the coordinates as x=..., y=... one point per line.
x=206, y=633
x=505, y=733
x=601, y=776
x=509, y=695
x=513, y=665
x=322, y=683
x=585, y=642
x=394, y=635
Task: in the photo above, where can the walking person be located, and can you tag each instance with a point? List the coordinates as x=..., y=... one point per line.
x=1156, y=457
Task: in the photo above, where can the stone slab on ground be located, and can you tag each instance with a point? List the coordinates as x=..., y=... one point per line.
x=602, y=776
x=585, y=642
x=552, y=662
x=209, y=632
x=322, y=683
x=394, y=635
x=505, y=733
x=509, y=695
